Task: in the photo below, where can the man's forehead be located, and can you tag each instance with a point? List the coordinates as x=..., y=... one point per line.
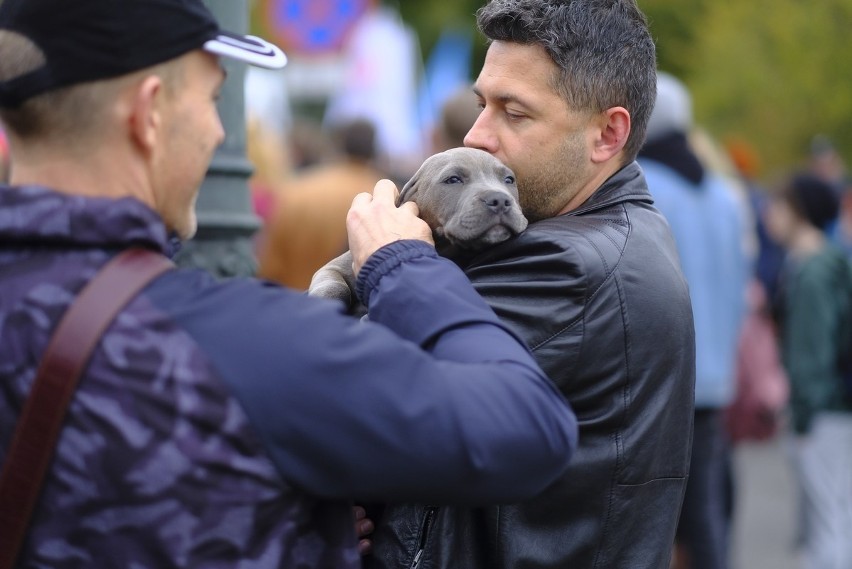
x=517, y=73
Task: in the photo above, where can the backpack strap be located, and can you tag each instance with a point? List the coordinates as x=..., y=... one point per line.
x=67, y=355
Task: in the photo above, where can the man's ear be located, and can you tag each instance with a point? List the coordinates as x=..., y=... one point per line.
x=614, y=130
x=145, y=113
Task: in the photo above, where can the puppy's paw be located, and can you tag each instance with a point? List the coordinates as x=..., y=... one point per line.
x=333, y=289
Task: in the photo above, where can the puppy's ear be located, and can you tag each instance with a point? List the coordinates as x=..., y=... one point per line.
x=409, y=190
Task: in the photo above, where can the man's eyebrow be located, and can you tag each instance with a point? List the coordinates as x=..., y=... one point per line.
x=504, y=98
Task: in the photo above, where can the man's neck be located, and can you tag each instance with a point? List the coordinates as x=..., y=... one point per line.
x=96, y=175
x=596, y=181
x=806, y=241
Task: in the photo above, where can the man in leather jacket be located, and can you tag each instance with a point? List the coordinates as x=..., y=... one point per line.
x=595, y=288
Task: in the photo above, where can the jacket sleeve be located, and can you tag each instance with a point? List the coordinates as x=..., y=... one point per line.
x=432, y=400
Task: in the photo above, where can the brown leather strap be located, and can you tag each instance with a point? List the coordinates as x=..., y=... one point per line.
x=65, y=358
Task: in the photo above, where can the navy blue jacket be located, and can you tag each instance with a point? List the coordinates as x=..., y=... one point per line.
x=230, y=420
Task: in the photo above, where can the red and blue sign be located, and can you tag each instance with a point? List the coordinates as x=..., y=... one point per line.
x=309, y=26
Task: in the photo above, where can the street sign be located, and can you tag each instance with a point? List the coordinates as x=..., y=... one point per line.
x=310, y=27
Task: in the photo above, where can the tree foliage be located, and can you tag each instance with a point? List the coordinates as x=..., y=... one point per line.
x=773, y=73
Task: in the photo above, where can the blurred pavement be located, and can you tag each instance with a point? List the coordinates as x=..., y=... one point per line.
x=765, y=509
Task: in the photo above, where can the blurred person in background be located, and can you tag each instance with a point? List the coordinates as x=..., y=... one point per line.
x=307, y=225
x=309, y=144
x=826, y=163
x=709, y=227
x=814, y=314
x=770, y=254
x=4, y=157
x=267, y=152
x=757, y=412
x=842, y=232
x=458, y=114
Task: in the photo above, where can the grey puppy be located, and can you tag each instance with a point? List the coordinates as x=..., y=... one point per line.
x=469, y=199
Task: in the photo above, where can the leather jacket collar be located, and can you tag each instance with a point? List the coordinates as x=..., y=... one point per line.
x=628, y=184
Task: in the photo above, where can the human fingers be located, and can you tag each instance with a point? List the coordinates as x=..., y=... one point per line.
x=361, y=199
x=411, y=208
x=363, y=524
x=385, y=190
x=364, y=527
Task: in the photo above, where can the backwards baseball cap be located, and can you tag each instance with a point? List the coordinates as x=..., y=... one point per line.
x=88, y=40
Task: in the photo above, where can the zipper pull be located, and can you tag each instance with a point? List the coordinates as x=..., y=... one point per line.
x=424, y=535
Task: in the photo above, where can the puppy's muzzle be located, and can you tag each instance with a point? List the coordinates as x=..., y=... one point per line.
x=498, y=203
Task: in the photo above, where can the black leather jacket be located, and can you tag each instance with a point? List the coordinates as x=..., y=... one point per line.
x=599, y=297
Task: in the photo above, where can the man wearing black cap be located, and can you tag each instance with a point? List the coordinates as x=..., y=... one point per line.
x=225, y=424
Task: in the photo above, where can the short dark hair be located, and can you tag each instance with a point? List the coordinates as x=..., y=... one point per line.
x=603, y=49
x=356, y=138
x=812, y=198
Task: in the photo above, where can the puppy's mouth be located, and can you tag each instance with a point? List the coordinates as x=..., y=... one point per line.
x=503, y=227
x=496, y=234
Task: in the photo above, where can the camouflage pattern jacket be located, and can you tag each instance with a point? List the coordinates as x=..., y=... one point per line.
x=208, y=403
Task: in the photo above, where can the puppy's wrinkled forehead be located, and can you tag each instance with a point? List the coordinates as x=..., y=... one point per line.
x=458, y=165
x=470, y=161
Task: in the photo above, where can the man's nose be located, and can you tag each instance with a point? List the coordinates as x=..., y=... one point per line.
x=219, y=130
x=480, y=136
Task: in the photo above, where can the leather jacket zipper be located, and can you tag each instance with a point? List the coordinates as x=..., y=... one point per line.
x=428, y=518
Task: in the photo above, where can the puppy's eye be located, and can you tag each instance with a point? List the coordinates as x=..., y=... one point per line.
x=453, y=180
x=510, y=180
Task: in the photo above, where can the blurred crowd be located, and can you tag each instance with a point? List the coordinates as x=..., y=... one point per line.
x=767, y=259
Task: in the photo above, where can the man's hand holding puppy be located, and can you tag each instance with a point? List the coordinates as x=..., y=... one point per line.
x=375, y=220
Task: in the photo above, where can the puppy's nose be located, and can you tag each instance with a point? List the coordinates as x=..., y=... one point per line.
x=497, y=202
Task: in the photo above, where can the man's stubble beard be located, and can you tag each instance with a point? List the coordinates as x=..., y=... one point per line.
x=547, y=190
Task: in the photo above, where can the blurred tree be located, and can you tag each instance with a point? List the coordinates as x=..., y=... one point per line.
x=771, y=72
x=674, y=26
x=775, y=73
